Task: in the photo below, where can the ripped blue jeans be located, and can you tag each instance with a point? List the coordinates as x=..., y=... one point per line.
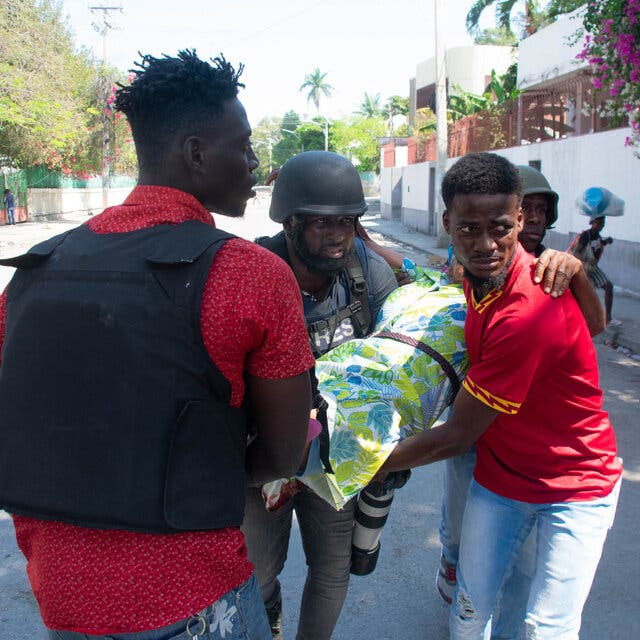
x=570, y=537
x=508, y=615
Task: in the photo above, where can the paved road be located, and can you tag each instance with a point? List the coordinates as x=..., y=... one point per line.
x=399, y=600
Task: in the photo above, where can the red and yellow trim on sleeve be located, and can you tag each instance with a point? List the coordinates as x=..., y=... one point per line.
x=481, y=306
x=494, y=402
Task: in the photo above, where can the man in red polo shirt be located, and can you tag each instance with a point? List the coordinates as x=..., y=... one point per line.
x=147, y=334
x=546, y=452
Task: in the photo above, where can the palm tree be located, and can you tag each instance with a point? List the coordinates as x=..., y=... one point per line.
x=315, y=82
x=535, y=17
x=370, y=106
x=397, y=106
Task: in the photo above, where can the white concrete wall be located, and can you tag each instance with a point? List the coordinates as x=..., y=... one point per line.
x=415, y=186
x=391, y=191
x=575, y=164
x=467, y=66
x=548, y=54
x=415, y=197
x=571, y=166
x=52, y=202
x=386, y=176
x=402, y=156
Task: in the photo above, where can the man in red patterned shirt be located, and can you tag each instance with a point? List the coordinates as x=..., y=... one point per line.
x=148, y=334
x=546, y=452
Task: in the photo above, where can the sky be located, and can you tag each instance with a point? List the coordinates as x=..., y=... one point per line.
x=362, y=45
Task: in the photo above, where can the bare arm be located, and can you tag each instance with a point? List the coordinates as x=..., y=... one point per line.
x=559, y=270
x=391, y=257
x=281, y=412
x=272, y=177
x=586, y=296
x=468, y=420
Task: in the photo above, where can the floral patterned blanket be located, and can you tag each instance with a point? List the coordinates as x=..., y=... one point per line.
x=381, y=390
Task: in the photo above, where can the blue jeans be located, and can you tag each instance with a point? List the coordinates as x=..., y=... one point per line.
x=458, y=473
x=570, y=537
x=326, y=539
x=10, y=215
x=512, y=601
x=237, y=615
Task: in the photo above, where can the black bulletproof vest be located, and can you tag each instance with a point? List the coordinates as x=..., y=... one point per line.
x=112, y=414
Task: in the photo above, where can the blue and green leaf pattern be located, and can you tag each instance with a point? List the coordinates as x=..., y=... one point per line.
x=380, y=391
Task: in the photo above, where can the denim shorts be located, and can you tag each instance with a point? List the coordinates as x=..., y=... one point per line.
x=237, y=615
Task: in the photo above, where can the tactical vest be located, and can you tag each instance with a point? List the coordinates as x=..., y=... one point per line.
x=112, y=412
x=359, y=308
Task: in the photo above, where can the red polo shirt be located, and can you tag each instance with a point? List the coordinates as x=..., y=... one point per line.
x=533, y=360
x=102, y=582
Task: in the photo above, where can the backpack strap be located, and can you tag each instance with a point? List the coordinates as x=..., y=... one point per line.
x=356, y=278
x=321, y=406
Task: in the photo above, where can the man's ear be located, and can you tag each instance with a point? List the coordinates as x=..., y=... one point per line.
x=193, y=153
x=445, y=221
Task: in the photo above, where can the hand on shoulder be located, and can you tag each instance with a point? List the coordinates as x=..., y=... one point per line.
x=555, y=270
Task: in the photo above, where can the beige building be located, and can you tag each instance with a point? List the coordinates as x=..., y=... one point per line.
x=467, y=67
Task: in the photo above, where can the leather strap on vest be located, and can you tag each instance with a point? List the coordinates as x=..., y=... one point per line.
x=425, y=348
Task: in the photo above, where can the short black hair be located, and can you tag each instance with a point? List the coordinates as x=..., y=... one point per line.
x=481, y=173
x=167, y=94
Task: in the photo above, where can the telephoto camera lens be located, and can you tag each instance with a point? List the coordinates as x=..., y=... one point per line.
x=372, y=510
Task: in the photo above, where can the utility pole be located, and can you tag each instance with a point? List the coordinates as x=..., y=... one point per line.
x=103, y=27
x=441, y=121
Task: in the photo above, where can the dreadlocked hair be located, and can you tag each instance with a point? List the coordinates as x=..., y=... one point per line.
x=169, y=94
x=486, y=173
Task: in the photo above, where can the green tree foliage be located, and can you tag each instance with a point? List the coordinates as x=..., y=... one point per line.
x=357, y=139
x=292, y=136
x=264, y=137
x=497, y=36
x=558, y=7
x=500, y=90
x=425, y=122
x=533, y=14
x=317, y=86
x=312, y=135
x=464, y=103
x=503, y=88
x=45, y=88
x=52, y=99
x=370, y=106
x=397, y=106
x=289, y=143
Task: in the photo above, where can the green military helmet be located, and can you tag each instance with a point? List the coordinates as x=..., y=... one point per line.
x=534, y=182
x=317, y=183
